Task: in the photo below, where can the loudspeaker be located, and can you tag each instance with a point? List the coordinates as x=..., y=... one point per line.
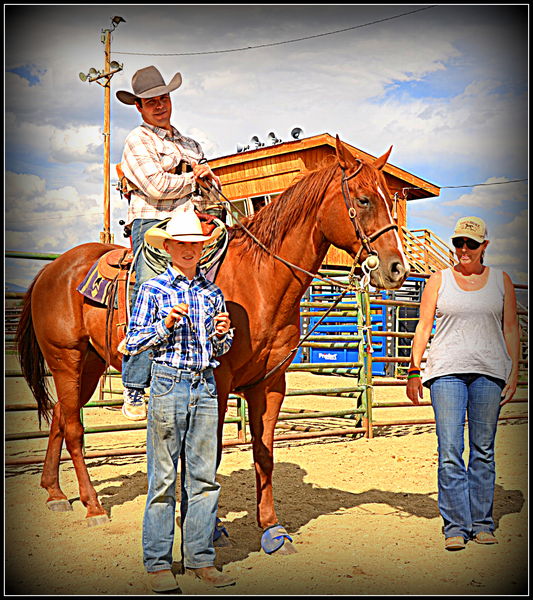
x=297, y=133
x=256, y=142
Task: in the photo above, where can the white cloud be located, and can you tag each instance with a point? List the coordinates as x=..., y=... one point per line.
x=48, y=219
x=77, y=144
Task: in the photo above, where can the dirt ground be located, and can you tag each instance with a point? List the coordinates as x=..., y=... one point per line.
x=362, y=512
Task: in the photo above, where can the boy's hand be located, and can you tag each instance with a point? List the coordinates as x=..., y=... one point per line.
x=176, y=314
x=222, y=323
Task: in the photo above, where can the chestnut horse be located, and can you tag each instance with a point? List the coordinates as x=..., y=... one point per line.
x=346, y=204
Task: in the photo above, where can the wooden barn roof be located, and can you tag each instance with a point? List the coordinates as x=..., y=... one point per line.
x=422, y=188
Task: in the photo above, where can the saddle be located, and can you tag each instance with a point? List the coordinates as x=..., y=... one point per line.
x=106, y=283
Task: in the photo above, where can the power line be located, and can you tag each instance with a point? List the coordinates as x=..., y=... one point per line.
x=309, y=37
x=451, y=187
x=477, y=184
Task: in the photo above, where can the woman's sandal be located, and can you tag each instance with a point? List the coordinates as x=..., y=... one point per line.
x=456, y=542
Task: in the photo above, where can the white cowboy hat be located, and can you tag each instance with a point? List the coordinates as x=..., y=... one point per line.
x=148, y=83
x=184, y=226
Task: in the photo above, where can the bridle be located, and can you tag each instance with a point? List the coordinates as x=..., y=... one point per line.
x=365, y=239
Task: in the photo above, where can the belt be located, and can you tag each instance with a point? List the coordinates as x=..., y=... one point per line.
x=162, y=368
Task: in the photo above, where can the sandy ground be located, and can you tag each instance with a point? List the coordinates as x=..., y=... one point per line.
x=362, y=513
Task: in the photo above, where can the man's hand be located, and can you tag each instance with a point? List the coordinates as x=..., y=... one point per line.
x=176, y=314
x=222, y=323
x=202, y=173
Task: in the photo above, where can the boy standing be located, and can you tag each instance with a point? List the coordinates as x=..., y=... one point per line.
x=181, y=317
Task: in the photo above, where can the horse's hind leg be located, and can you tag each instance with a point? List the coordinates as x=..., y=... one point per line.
x=73, y=391
x=50, y=477
x=94, y=366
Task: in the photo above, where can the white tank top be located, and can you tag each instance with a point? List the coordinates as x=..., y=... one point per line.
x=469, y=335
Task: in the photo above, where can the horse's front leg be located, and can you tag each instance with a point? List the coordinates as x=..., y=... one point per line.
x=263, y=407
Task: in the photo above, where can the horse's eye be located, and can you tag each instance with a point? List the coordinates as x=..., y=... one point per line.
x=363, y=200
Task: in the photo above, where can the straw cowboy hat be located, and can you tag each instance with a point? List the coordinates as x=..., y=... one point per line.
x=148, y=83
x=184, y=226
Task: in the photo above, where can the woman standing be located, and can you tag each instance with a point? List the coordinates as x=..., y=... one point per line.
x=471, y=370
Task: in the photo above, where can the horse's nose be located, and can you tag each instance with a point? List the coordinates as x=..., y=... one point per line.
x=398, y=270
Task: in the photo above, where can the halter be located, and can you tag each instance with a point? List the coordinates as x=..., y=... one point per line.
x=352, y=213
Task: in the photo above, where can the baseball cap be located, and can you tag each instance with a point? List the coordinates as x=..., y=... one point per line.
x=471, y=227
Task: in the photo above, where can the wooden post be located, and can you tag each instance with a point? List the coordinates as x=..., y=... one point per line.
x=105, y=235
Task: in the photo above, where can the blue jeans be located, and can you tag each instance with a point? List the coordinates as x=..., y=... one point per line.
x=182, y=424
x=466, y=496
x=136, y=368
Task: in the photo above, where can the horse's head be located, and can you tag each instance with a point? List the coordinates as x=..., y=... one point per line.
x=357, y=217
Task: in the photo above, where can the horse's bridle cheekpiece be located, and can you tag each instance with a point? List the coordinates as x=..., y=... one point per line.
x=365, y=239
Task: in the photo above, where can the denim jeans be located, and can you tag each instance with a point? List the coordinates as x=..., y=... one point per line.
x=136, y=368
x=182, y=424
x=466, y=496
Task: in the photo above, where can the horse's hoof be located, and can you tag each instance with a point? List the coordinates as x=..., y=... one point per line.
x=59, y=505
x=275, y=538
x=287, y=548
x=97, y=520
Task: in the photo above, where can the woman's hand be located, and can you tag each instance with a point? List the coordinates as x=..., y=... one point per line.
x=415, y=390
x=510, y=389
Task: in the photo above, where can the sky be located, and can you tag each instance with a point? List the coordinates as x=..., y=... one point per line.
x=445, y=85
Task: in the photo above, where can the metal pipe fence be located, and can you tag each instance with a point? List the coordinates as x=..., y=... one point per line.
x=362, y=390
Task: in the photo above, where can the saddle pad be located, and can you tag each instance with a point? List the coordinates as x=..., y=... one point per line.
x=94, y=286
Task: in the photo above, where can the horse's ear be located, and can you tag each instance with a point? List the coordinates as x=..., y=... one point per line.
x=380, y=162
x=344, y=156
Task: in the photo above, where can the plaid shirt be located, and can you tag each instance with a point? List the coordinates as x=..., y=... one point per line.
x=150, y=153
x=192, y=343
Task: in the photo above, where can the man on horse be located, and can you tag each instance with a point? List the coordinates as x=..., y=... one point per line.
x=163, y=169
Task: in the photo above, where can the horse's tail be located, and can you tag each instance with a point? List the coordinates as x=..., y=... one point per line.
x=32, y=360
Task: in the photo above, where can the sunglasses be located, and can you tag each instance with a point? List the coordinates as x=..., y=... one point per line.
x=470, y=244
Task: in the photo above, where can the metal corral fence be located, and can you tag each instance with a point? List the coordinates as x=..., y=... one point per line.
x=366, y=337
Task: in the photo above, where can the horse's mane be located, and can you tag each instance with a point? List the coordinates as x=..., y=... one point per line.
x=301, y=198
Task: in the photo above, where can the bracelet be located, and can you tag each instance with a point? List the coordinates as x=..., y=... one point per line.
x=413, y=371
x=413, y=376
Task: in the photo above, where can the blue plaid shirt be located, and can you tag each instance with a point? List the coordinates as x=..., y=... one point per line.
x=192, y=343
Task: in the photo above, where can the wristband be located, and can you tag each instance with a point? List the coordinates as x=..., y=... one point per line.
x=413, y=370
x=413, y=376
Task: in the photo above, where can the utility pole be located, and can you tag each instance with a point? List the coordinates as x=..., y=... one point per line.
x=103, y=78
